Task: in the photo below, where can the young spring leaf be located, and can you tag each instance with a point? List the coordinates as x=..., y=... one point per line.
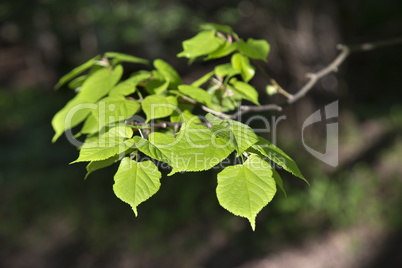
x=245, y=189
x=246, y=91
x=136, y=182
x=96, y=165
x=196, y=94
x=275, y=154
x=199, y=82
x=129, y=85
x=113, y=109
x=255, y=49
x=168, y=72
x=226, y=69
x=76, y=71
x=278, y=181
x=242, y=64
x=102, y=147
x=202, y=44
x=121, y=57
x=236, y=134
x=157, y=106
x=223, y=51
x=76, y=110
x=194, y=148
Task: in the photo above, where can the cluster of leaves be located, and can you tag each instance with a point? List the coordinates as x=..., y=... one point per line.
x=170, y=133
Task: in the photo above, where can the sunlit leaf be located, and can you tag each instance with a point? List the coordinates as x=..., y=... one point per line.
x=246, y=189
x=255, y=49
x=76, y=71
x=246, y=91
x=242, y=64
x=196, y=94
x=202, y=44
x=135, y=182
x=107, y=145
x=121, y=57
x=275, y=154
x=156, y=106
x=168, y=72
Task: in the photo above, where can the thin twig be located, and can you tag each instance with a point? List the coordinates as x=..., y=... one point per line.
x=345, y=51
x=205, y=108
x=334, y=65
x=246, y=109
x=176, y=125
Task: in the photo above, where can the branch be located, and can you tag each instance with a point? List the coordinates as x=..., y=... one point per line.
x=345, y=51
x=161, y=124
x=205, y=108
x=334, y=65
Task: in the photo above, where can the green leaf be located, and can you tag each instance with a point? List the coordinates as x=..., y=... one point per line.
x=102, y=147
x=202, y=80
x=135, y=182
x=157, y=106
x=157, y=86
x=223, y=51
x=255, y=49
x=77, y=82
x=224, y=101
x=194, y=148
x=202, y=44
x=275, y=154
x=100, y=83
x=236, y=134
x=129, y=86
x=196, y=94
x=225, y=70
x=76, y=110
x=76, y=71
x=216, y=27
x=113, y=109
x=245, y=190
x=242, y=64
x=70, y=116
x=91, y=125
x=125, y=58
x=168, y=72
x=278, y=181
x=246, y=91
x=96, y=165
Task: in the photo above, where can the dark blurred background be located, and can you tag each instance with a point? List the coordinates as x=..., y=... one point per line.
x=350, y=216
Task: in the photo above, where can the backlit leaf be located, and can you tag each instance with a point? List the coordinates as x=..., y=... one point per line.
x=255, y=49
x=246, y=189
x=202, y=44
x=168, y=72
x=275, y=154
x=107, y=145
x=129, y=85
x=196, y=94
x=121, y=57
x=76, y=71
x=246, y=91
x=157, y=106
x=135, y=182
x=236, y=134
x=242, y=64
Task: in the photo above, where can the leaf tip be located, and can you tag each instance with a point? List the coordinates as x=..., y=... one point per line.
x=135, y=211
x=252, y=223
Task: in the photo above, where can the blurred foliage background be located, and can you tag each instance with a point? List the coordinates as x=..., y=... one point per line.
x=349, y=217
